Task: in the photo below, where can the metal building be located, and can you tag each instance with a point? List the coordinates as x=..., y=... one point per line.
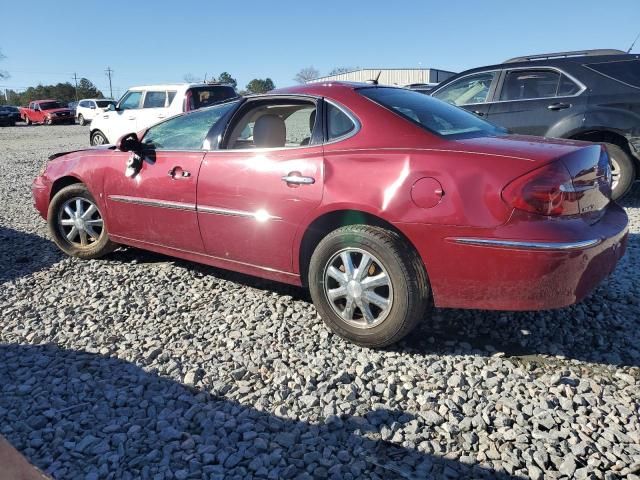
x=391, y=76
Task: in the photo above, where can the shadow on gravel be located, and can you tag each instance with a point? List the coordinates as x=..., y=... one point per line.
x=22, y=254
x=79, y=415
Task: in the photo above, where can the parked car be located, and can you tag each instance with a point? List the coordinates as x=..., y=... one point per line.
x=141, y=107
x=12, y=112
x=88, y=108
x=589, y=95
x=72, y=106
x=5, y=118
x=46, y=111
x=381, y=200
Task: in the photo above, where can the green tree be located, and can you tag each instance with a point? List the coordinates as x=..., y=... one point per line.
x=306, y=74
x=225, y=77
x=258, y=85
x=86, y=89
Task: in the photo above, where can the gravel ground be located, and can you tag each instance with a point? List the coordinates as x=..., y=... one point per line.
x=140, y=366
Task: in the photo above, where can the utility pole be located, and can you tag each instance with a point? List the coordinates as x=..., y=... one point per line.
x=75, y=78
x=108, y=71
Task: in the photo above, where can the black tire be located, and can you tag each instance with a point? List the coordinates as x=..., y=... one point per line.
x=93, y=249
x=81, y=121
x=627, y=170
x=98, y=138
x=410, y=292
x=48, y=121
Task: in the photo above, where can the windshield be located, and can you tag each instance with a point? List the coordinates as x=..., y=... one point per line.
x=431, y=114
x=50, y=105
x=104, y=103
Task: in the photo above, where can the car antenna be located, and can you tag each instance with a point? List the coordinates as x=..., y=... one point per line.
x=634, y=42
x=375, y=81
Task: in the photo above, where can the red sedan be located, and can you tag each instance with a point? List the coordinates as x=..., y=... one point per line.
x=381, y=200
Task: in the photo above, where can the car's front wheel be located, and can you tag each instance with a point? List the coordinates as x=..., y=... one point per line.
x=98, y=138
x=76, y=223
x=623, y=170
x=27, y=121
x=368, y=285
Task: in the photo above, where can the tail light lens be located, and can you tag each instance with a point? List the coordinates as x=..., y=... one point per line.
x=547, y=190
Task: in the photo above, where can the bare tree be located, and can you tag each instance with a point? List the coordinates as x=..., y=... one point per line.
x=306, y=74
x=339, y=70
x=190, y=78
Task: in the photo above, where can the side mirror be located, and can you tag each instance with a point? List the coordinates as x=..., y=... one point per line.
x=111, y=108
x=129, y=143
x=92, y=107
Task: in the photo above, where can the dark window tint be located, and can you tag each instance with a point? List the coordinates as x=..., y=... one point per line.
x=171, y=95
x=625, y=71
x=154, y=99
x=50, y=105
x=338, y=122
x=104, y=103
x=186, y=132
x=527, y=84
x=467, y=90
x=130, y=101
x=567, y=87
x=199, y=97
x=431, y=114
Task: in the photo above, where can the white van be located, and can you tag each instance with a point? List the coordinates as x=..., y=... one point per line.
x=141, y=107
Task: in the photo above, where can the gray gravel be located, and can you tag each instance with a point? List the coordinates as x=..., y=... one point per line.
x=141, y=366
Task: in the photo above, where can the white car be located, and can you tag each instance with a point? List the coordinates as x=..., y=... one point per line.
x=141, y=107
x=88, y=108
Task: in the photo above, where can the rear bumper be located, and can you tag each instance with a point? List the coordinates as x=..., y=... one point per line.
x=525, y=265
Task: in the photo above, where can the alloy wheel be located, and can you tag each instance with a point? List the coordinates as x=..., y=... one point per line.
x=615, y=173
x=358, y=288
x=80, y=222
x=98, y=139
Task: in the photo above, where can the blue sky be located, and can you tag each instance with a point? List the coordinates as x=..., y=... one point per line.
x=161, y=41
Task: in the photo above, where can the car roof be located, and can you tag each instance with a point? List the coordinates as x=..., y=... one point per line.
x=550, y=62
x=323, y=88
x=168, y=86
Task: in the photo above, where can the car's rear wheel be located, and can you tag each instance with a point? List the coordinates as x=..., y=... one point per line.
x=98, y=138
x=368, y=285
x=76, y=223
x=81, y=120
x=622, y=170
x=48, y=121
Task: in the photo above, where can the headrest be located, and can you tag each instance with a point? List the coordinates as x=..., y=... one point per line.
x=269, y=131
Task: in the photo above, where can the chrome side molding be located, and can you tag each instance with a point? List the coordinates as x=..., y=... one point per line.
x=526, y=245
x=151, y=202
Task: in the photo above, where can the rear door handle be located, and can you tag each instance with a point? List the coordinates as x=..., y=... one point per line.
x=479, y=113
x=296, y=178
x=559, y=106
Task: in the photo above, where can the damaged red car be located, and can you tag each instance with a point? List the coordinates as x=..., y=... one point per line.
x=382, y=201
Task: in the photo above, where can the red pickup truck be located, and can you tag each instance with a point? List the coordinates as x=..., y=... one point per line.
x=46, y=111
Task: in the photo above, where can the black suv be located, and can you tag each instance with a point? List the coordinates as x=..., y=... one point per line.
x=591, y=95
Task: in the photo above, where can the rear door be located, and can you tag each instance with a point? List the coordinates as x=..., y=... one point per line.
x=257, y=189
x=471, y=92
x=154, y=109
x=536, y=101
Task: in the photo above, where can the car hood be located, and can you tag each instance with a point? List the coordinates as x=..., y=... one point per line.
x=525, y=147
x=88, y=149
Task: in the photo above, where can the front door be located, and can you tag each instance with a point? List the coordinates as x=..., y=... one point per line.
x=254, y=193
x=158, y=205
x=533, y=101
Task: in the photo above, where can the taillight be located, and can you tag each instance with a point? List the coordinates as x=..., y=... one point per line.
x=547, y=190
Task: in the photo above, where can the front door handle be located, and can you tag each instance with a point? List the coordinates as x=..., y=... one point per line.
x=296, y=178
x=178, y=172
x=479, y=113
x=559, y=106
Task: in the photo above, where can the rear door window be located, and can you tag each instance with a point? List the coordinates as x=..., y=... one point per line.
x=155, y=99
x=529, y=84
x=625, y=71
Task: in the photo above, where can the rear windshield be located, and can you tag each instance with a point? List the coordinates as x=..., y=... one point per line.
x=433, y=115
x=625, y=71
x=199, y=97
x=104, y=103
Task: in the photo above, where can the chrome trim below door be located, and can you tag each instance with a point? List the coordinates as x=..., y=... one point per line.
x=526, y=245
x=150, y=202
x=260, y=215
